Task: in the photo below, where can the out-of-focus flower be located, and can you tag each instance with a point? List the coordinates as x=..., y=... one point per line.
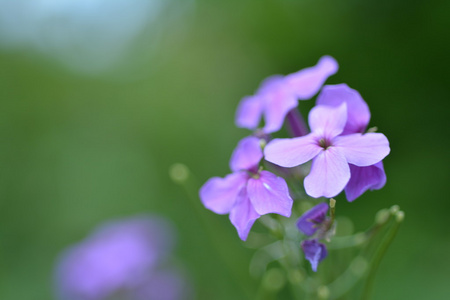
x=248, y=192
x=358, y=116
x=314, y=251
x=127, y=259
x=278, y=94
x=330, y=152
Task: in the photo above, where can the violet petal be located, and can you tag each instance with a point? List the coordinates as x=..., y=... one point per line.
x=308, y=221
x=219, y=194
x=249, y=112
x=363, y=149
x=307, y=82
x=277, y=105
x=314, y=251
x=358, y=114
x=247, y=154
x=243, y=215
x=292, y=152
x=328, y=121
x=329, y=174
x=269, y=194
x=363, y=179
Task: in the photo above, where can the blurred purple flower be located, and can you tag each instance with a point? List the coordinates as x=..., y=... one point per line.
x=310, y=221
x=248, y=192
x=314, y=251
x=330, y=152
x=278, y=94
x=125, y=259
x=358, y=116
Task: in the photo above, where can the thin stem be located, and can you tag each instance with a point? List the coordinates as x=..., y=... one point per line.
x=379, y=254
x=180, y=174
x=296, y=124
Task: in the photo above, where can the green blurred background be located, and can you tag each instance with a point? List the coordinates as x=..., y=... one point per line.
x=82, y=145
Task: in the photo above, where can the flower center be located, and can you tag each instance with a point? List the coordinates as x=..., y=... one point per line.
x=324, y=143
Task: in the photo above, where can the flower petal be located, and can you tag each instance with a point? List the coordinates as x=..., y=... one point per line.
x=270, y=83
x=249, y=112
x=328, y=121
x=307, y=82
x=219, y=194
x=329, y=174
x=247, y=154
x=269, y=194
x=243, y=215
x=277, y=105
x=292, y=152
x=363, y=179
x=308, y=221
x=363, y=149
x=358, y=114
x=314, y=251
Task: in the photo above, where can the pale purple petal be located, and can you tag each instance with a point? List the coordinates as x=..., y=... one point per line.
x=329, y=174
x=307, y=82
x=328, y=121
x=315, y=252
x=358, y=114
x=271, y=82
x=219, y=194
x=307, y=223
x=243, y=215
x=247, y=154
x=277, y=105
x=249, y=112
x=363, y=149
x=292, y=152
x=363, y=179
x=269, y=194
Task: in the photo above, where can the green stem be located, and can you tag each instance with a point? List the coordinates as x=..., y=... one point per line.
x=379, y=254
x=218, y=237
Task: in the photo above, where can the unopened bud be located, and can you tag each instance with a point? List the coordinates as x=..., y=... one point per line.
x=179, y=172
x=399, y=216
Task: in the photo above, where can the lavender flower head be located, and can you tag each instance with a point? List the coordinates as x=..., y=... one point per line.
x=358, y=116
x=248, y=192
x=331, y=152
x=125, y=259
x=278, y=94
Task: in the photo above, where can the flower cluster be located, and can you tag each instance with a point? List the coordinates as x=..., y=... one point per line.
x=126, y=259
x=343, y=155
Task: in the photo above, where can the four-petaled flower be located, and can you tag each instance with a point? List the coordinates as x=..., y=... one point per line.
x=248, y=192
x=358, y=116
x=279, y=94
x=330, y=151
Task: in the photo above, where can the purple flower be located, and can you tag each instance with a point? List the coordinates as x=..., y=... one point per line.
x=358, y=116
x=314, y=251
x=248, y=192
x=330, y=152
x=278, y=94
x=121, y=258
x=310, y=221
